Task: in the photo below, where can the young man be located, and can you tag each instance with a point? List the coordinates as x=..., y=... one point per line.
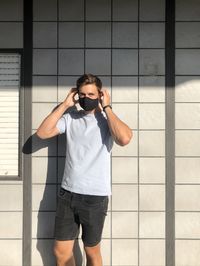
x=83, y=197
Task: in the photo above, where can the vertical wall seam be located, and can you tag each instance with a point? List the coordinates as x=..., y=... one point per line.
x=170, y=131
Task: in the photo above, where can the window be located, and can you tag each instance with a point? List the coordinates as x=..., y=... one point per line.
x=10, y=71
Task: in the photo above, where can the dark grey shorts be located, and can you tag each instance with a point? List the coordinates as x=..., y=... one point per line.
x=74, y=210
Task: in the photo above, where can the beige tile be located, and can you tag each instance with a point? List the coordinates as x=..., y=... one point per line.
x=45, y=35
x=152, y=252
x=187, y=198
x=187, y=143
x=128, y=150
x=152, y=197
x=152, y=170
x=187, y=116
x=187, y=170
x=15, y=201
x=71, y=10
x=152, y=11
x=127, y=113
x=125, y=10
x=124, y=252
x=45, y=10
x=8, y=229
x=11, y=35
x=187, y=89
x=44, y=89
x=44, y=170
x=152, y=35
x=42, y=252
x=76, y=32
x=64, y=85
x=124, y=89
x=44, y=197
x=98, y=34
x=152, y=143
x=124, y=197
x=187, y=62
x=187, y=252
x=187, y=225
x=187, y=10
x=152, y=89
x=152, y=116
x=98, y=10
x=43, y=224
x=152, y=224
x=44, y=61
x=121, y=222
x=11, y=252
x=187, y=35
x=124, y=170
x=106, y=251
x=11, y=11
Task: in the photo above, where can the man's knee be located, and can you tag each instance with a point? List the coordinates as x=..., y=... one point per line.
x=63, y=251
x=93, y=252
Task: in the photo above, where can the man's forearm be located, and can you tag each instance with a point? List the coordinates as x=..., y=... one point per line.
x=121, y=133
x=49, y=123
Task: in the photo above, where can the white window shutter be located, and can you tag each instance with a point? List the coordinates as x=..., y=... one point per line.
x=9, y=114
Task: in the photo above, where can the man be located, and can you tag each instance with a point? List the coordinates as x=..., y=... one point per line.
x=83, y=197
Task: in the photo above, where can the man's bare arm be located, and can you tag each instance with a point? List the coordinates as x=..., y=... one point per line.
x=48, y=128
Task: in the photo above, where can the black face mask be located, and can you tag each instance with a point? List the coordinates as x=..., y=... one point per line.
x=88, y=104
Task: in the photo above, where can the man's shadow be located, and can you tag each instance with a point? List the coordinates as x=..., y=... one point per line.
x=47, y=207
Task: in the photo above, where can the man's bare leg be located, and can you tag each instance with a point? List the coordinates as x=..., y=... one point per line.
x=63, y=251
x=93, y=255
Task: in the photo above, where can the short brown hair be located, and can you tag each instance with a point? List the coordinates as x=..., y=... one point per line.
x=88, y=79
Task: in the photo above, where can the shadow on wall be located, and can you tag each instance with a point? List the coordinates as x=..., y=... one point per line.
x=44, y=222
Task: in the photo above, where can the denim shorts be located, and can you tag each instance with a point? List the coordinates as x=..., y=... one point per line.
x=75, y=210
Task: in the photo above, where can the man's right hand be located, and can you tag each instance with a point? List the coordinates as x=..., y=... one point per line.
x=70, y=99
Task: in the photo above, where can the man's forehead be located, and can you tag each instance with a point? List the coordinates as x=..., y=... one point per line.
x=89, y=88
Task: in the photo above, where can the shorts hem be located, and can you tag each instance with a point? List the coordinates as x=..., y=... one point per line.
x=91, y=244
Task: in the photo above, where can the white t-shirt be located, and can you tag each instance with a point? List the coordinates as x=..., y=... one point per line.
x=88, y=147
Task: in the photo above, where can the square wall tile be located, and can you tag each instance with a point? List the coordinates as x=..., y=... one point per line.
x=121, y=222
x=98, y=10
x=152, y=197
x=187, y=170
x=125, y=62
x=187, y=35
x=11, y=10
x=128, y=113
x=71, y=34
x=44, y=197
x=187, y=225
x=98, y=61
x=152, y=89
x=8, y=247
x=129, y=150
x=71, y=10
x=40, y=112
x=124, y=252
x=65, y=83
x=152, y=116
x=15, y=201
x=187, y=62
x=44, y=62
x=125, y=35
x=152, y=35
x=153, y=10
x=44, y=170
x=147, y=140
x=187, y=89
x=152, y=225
x=124, y=197
x=45, y=10
x=98, y=34
x=44, y=34
x=71, y=62
x=124, y=170
x=187, y=143
x=187, y=198
x=106, y=251
x=42, y=252
x=124, y=89
x=8, y=228
x=187, y=115
x=152, y=62
x=43, y=224
x=44, y=89
x=187, y=252
x=152, y=170
x=152, y=252
x=187, y=10
x=11, y=34
x=126, y=10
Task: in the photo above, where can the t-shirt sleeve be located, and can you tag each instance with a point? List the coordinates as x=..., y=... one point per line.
x=61, y=124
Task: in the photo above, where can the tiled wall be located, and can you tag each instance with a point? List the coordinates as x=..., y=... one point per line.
x=123, y=43
x=11, y=202
x=187, y=133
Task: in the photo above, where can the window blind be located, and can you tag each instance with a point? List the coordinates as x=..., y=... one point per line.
x=9, y=114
